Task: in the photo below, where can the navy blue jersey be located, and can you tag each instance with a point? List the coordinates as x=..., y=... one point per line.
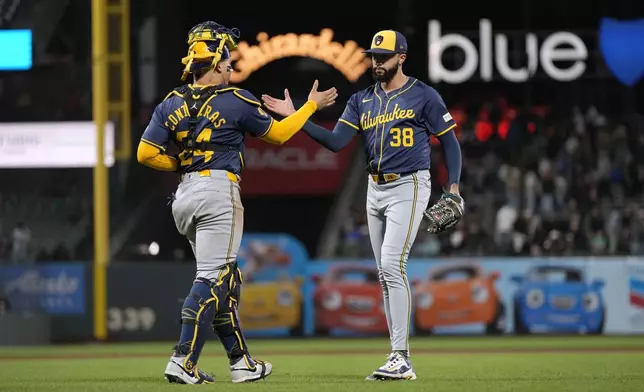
x=396, y=126
x=224, y=119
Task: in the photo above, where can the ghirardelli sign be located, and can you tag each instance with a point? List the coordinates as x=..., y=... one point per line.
x=346, y=58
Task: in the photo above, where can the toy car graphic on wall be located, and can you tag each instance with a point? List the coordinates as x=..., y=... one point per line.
x=269, y=305
x=457, y=295
x=557, y=299
x=349, y=297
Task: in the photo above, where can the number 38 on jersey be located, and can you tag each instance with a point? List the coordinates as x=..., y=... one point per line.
x=401, y=137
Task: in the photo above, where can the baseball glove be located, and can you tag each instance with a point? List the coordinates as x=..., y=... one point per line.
x=445, y=214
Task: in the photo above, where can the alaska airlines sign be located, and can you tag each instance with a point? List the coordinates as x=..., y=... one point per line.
x=346, y=58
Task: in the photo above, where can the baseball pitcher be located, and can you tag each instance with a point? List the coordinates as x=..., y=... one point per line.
x=208, y=120
x=396, y=117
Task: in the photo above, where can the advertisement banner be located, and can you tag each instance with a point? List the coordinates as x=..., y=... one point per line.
x=54, y=289
x=347, y=58
x=560, y=55
x=487, y=296
x=634, y=295
x=53, y=144
x=299, y=167
x=286, y=294
x=16, y=48
x=145, y=299
x=274, y=268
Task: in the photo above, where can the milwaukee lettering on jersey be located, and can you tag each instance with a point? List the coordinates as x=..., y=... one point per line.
x=367, y=121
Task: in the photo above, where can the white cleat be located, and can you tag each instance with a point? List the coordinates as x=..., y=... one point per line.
x=176, y=373
x=242, y=372
x=397, y=367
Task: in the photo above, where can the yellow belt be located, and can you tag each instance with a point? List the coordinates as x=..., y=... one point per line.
x=206, y=173
x=386, y=177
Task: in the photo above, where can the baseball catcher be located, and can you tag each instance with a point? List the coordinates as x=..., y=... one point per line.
x=208, y=120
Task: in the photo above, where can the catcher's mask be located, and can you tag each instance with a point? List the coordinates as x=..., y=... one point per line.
x=209, y=43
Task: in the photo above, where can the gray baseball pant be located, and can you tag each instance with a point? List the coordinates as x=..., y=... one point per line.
x=208, y=211
x=394, y=213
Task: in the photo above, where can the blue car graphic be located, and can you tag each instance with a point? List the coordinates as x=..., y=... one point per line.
x=558, y=299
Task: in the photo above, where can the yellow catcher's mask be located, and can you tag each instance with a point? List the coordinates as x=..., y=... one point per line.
x=209, y=43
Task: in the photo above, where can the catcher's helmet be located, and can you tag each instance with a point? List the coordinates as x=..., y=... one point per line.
x=209, y=43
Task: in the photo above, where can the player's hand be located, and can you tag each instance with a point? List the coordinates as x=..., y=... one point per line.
x=283, y=107
x=323, y=99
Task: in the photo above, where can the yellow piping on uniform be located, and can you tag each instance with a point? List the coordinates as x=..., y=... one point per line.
x=232, y=228
x=383, y=126
x=375, y=91
x=357, y=128
x=441, y=133
x=402, y=257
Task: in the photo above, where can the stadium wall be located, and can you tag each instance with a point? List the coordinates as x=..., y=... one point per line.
x=287, y=294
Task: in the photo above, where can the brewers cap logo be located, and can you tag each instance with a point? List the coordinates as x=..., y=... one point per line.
x=378, y=40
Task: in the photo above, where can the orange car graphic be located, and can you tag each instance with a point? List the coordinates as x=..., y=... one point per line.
x=456, y=295
x=349, y=297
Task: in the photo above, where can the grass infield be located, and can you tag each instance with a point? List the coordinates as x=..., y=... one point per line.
x=442, y=364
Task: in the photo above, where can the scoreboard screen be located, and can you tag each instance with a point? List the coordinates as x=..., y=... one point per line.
x=15, y=50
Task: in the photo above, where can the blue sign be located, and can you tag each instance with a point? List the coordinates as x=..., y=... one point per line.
x=622, y=45
x=15, y=50
x=56, y=289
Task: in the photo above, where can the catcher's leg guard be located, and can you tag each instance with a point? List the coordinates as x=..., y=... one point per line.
x=226, y=326
x=226, y=322
x=197, y=313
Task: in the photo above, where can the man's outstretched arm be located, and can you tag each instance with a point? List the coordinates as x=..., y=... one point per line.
x=345, y=129
x=336, y=140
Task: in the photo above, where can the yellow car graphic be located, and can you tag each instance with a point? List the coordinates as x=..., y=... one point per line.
x=272, y=305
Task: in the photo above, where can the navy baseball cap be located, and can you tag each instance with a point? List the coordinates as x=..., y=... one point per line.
x=388, y=42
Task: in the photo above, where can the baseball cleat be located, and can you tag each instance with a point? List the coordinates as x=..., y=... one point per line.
x=176, y=373
x=397, y=367
x=251, y=370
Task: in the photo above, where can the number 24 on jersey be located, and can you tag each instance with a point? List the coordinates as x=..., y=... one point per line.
x=404, y=137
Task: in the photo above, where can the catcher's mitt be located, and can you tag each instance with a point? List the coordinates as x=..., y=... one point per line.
x=446, y=213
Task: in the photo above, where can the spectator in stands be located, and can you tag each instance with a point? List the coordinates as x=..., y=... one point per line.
x=506, y=216
x=20, y=244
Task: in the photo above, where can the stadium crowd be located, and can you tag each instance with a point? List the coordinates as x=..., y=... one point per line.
x=544, y=185
x=535, y=182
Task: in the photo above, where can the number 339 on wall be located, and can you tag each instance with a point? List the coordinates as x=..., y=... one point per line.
x=130, y=319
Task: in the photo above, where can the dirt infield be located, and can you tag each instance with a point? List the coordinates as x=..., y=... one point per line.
x=466, y=351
